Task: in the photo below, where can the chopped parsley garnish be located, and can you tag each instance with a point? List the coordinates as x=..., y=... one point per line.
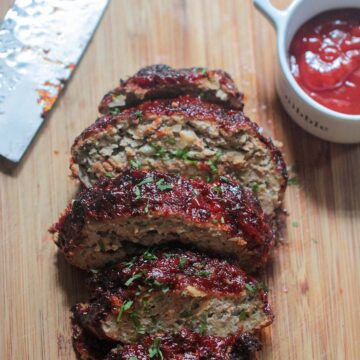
x=146, y=209
x=129, y=264
x=160, y=151
x=157, y=283
x=101, y=245
x=124, y=307
x=250, y=288
x=242, y=315
x=225, y=179
x=133, y=358
x=203, y=71
x=135, y=319
x=154, y=349
x=202, y=273
x=203, y=324
x=293, y=181
x=165, y=289
x=295, y=224
x=222, y=220
x=133, y=278
x=216, y=189
x=214, y=220
x=168, y=255
x=255, y=188
x=109, y=174
x=94, y=271
x=182, y=154
x=147, y=180
x=115, y=111
x=148, y=255
x=170, y=140
x=161, y=186
x=135, y=164
x=182, y=262
x=138, y=114
x=137, y=193
x=212, y=166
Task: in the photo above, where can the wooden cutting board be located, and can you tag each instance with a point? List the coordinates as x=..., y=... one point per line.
x=314, y=276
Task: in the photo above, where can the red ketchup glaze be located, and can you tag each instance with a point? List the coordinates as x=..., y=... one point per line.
x=176, y=269
x=325, y=59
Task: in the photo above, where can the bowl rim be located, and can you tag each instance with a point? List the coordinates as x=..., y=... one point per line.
x=282, y=24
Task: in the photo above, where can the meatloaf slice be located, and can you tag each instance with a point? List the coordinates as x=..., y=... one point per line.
x=162, y=81
x=164, y=291
x=189, y=346
x=186, y=345
x=184, y=136
x=150, y=208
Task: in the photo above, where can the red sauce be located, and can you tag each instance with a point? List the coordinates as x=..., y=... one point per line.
x=325, y=59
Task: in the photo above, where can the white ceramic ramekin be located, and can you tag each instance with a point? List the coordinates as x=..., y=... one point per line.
x=315, y=118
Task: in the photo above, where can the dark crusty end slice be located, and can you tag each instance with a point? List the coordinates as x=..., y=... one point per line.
x=165, y=291
x=185, y=345
x=162, y=81
x=184, y=136
x=150, y=208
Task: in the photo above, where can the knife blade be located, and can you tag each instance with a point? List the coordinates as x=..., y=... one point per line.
x=41, y=42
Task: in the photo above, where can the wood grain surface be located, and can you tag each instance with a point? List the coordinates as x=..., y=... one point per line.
x=314, y=275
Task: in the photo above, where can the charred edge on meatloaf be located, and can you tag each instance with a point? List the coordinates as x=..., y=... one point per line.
x=211, y=142
x=167, y=290
x=151, y=207
x=162, y=81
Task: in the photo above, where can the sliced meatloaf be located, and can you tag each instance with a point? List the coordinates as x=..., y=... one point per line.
x=150, y=208
x=186, y=345
x=164, y=291
x=189, y=346
x=184, y=136
x=162, y=81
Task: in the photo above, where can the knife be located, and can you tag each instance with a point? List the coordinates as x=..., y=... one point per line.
x=41, y=42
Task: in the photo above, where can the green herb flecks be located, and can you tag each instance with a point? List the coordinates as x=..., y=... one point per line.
x=255, y=188
x=115, y=111
x=129, y=264
x=135, y=164
x=133, y=278
x=109, y=174
x=293, y=181
x=161, y=186
x=165, y=289
x=202, y=273
x=203, y=324
x=135, y=319
x=148, y=255
x=102, y=245
x=137, y=193
x=295, y=224
x=216, y=189
x=146, y=208
x=182, y=262
x=138, y=114
x=222, y=220
x=154, y=349
x=170, y=140
x=224, y=179
x=160, y=151
x=181, y=154
x=94, y=271
x=242, y=315
x=214, y=221
x=124, y=307
x=147, y=180
x=203, y=71
x=212, y=166
x=250, y=288
x=133, y=358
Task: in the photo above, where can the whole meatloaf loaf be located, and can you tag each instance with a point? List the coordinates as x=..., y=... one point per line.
x=186, y=345
x=165, y=291
x=162, y=81
x=184, y=136
x=149, y=208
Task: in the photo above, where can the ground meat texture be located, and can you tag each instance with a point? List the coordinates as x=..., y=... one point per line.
x=162, y=81
x=167, y=291
x=184, y=136
x=151, y=208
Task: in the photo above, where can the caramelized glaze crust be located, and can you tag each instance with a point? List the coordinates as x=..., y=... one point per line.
x=162, y=81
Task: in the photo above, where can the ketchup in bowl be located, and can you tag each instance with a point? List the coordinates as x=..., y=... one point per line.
x=325, y=59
